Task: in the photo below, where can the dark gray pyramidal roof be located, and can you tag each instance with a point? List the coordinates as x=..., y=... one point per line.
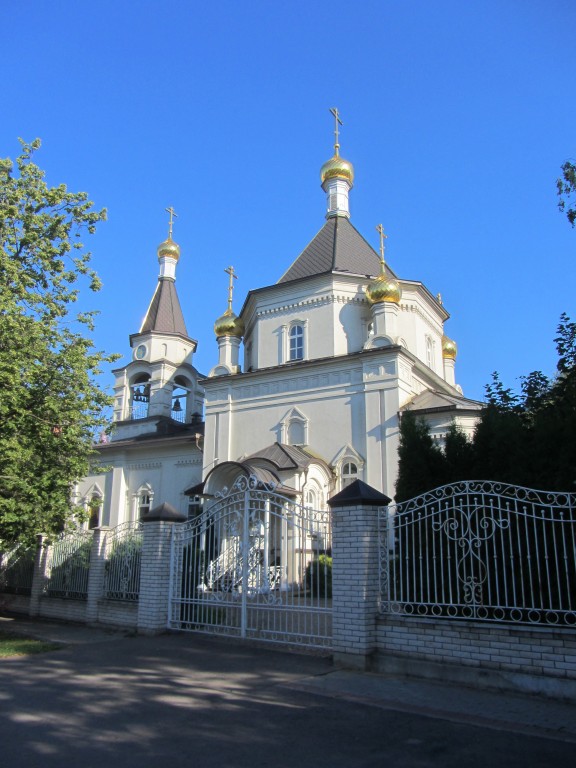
x=338, y=247
x=164, y=313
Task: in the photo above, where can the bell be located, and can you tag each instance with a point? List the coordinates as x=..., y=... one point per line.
x=177, y=407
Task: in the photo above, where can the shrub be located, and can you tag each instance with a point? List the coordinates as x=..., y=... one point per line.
x=319, y=576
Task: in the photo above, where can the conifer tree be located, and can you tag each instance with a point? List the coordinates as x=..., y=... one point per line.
x=421, y=464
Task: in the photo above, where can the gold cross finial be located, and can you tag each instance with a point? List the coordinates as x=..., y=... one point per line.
x=233, y=276
x=380, y=230
x=337, y=122
x=173, y=215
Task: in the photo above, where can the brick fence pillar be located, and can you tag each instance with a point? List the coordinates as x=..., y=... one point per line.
x=155, y=568
x=96, y=573
x=355, y=573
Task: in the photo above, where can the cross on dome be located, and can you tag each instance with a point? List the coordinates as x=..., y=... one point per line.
x=233, y=276
x=383, y=236
x=173, y=215
x=337, y=121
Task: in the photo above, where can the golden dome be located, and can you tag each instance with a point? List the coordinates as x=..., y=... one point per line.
x=229, y=325
x=169, y=249
x=383, y=288
x=337, y=168
x=449, y=348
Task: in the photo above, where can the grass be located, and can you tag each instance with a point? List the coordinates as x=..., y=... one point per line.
x=16, y=645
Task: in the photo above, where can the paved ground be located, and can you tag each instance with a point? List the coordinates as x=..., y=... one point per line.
x=109, y=698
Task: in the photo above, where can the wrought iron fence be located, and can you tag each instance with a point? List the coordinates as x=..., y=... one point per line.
x=17, y=570
x=481, y=550
x=123, y=561
x=68, y=565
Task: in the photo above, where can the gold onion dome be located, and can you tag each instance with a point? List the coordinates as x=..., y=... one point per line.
x=169, y=249
x=337, y=168
x=229, y=324
x=383, y=288
x=449, y=348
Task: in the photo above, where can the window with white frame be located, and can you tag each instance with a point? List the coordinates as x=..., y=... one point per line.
x=296, y=343
x=348, y=473
x=429, y=352
x=144, y=498
x=194, y=508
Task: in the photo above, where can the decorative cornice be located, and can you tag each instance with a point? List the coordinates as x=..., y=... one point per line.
x=145, y=465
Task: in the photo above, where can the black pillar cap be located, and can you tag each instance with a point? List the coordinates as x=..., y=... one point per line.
x=359, y=492
x=166, y=512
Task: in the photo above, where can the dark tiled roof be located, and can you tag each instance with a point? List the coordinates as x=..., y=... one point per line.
x=165, y=314
x=283, y=456
x=338, y=247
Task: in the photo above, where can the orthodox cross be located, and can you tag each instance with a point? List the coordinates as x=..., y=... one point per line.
x=233, y=276
x=337, y=121
x=380, y=230
x=173, y=215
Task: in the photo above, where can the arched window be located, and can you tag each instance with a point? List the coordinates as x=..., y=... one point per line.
x=95, y=509
x=144, y=502
x=348, y=474
x=140, y=396
x=296, y=343
x=297, y=432
x=143, y=499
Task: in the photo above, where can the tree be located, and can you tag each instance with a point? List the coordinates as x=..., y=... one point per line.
x=523, y=439
x=50, y=404
x=421, y=465
x=566, y=188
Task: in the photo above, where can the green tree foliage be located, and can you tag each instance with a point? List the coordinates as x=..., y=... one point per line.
x=422, y=463
x=566, y=187
x=50, y=405
x=524, y=438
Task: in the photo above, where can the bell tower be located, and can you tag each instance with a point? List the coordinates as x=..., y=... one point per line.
x=158, y=389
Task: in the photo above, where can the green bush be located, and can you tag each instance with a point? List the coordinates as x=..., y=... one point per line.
x=319, y=576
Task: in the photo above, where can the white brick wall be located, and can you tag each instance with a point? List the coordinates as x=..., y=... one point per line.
x=519, y=648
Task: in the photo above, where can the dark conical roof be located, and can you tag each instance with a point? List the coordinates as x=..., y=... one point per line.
x=338, y=247
x=164, y=313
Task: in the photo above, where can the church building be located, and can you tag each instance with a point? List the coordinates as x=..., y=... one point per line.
x=308, y=385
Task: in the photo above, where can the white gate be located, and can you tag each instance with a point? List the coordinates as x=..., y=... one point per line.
x=254, y=564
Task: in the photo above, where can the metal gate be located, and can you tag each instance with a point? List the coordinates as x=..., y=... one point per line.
x=254, y=564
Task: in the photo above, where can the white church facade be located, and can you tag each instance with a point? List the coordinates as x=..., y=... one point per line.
x=332, y=354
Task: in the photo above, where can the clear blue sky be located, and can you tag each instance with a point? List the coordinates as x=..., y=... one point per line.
x=457, y=117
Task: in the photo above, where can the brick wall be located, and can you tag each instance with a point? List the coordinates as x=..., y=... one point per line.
x=118, y=613
x=60, y=608
x=535, y=651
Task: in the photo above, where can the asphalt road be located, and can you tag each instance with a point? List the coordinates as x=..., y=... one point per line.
x=182, y=700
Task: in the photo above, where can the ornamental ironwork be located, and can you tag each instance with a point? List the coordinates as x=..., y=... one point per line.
x=250, y=565
x=481, y=550
x=68, y=565
x=123, y=562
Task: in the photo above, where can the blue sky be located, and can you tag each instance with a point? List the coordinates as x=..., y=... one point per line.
x=457, y=118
